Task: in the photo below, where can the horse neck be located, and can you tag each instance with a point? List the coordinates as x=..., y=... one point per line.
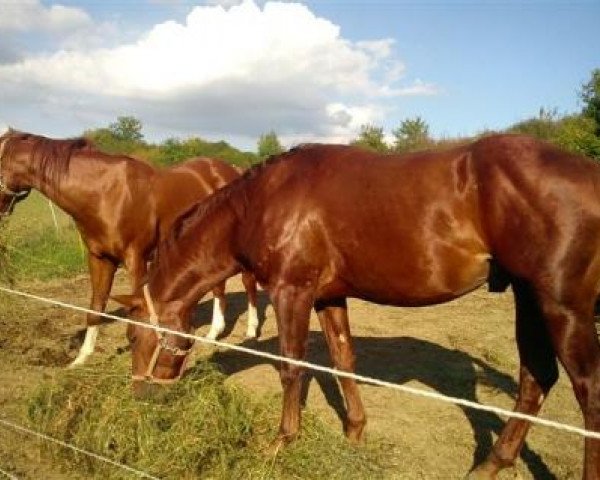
x=189, y=266
x=74, y=189
x=59, y=188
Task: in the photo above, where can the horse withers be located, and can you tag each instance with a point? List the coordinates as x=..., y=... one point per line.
x=321, y=223
x=121, y=206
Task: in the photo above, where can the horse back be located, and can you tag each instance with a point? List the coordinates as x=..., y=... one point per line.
x=187, y=183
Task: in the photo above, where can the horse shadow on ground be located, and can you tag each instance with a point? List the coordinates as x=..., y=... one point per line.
x=396, y=359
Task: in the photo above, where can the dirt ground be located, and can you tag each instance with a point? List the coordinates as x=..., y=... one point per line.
x=464, y=348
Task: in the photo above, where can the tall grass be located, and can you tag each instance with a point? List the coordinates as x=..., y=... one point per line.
x=200, y=428
x=37, y=248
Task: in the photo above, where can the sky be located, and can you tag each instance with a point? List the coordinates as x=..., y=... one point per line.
x=310, y=71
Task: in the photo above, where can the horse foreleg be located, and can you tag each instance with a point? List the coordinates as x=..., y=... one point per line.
x=217, y=325
x=538, y=373
x=292, y=308
x=333, y=317
x=250, y=285
x=102, y=272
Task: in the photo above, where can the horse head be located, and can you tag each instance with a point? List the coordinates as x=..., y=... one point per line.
x=158, y=357
x=12, y=188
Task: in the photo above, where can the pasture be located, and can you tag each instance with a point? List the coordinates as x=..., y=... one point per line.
x=465, y=348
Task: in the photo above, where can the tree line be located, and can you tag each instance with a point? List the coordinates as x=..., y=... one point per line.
x=124, y=136
x=577, y=132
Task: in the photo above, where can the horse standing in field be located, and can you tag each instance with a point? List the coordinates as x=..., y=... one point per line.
x=322, y=223
x=121, y=206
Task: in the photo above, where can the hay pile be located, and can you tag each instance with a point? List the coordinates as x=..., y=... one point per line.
x=200, y=428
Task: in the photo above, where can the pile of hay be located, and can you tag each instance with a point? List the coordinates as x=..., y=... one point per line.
x=200, y=428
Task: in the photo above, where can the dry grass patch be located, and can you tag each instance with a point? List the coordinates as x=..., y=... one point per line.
x=199, y=428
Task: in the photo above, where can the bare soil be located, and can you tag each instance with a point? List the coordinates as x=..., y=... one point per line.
x=464, y=349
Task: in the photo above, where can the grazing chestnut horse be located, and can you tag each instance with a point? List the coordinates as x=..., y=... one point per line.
x=322, y=223
x=121, y=206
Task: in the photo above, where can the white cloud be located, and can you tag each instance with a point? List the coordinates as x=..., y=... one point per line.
x=236, y=71
x=24, y=15
x=418, y=87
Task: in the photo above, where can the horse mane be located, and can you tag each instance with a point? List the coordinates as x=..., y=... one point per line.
x=50, y=156
x=234, y=189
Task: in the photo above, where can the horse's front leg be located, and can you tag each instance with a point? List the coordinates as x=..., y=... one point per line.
x=102, y=273
x=250, y=285
x=292, y=308
x=217, y=325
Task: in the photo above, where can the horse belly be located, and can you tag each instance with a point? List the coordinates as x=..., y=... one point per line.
x=414, y=280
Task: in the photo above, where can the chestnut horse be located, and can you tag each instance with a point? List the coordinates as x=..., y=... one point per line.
x=323, y=222
x=121, y=206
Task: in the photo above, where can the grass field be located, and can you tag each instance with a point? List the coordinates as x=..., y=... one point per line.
x=36, y=246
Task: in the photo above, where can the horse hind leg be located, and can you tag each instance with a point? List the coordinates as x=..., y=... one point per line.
x=102, y=272
x=575, y=339
x=250, y=285
x=538, y=373
x=333, y=317
x=217, y=325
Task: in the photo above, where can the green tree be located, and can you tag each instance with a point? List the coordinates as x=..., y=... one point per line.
x=545, y=126
x=576, y=133
x=121, y=137
x=174, y=150
x=590, y=95
x=372, y=138
x=268, y=144
x=411, y=135
x=127, y=129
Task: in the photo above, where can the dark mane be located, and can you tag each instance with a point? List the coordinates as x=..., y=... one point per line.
x=52, y=157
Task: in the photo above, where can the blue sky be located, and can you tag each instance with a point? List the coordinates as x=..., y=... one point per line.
x=314, y=71
x=494, y=62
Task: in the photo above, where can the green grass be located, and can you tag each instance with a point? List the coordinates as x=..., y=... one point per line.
x=37, y=248
x=200, y=428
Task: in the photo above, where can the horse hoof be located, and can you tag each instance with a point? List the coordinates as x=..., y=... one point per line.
x=74, y=364
x=280, y=442
x=479, y=474
x=275, y=446
x=354, y=437
x=213, y=334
